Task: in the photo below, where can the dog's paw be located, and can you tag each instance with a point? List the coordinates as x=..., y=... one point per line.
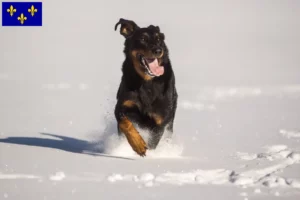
x=138, y=144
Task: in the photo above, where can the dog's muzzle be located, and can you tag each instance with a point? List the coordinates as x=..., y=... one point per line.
x=151, y=65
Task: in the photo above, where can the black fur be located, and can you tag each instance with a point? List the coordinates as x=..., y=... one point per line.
x=157, y=95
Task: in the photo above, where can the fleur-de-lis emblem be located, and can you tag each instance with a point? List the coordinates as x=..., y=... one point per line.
x=32, y=10
x=11, y=10
x=22, y=18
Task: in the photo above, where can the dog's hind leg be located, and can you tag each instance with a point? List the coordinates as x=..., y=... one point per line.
x=156, y=135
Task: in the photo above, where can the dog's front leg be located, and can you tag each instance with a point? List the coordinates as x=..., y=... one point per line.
x=127, y=128
x=133, y=137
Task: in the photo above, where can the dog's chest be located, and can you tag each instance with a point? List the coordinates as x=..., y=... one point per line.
x=152, y=96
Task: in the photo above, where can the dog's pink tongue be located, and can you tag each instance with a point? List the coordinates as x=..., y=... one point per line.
x=155, y=68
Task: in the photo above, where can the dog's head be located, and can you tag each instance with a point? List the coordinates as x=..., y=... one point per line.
x=146, y=48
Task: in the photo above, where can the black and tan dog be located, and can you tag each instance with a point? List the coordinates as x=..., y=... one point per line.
x=147, y=95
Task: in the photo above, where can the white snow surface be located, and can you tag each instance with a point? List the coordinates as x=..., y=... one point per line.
x=237, y=126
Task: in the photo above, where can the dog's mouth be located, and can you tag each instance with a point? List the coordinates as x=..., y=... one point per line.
x=151, y=65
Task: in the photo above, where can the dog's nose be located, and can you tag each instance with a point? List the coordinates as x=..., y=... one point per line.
x=157, y=51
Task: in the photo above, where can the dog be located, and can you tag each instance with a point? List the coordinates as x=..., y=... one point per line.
x=147, y=95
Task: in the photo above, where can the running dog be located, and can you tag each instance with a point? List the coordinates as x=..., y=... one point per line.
x=147, y=94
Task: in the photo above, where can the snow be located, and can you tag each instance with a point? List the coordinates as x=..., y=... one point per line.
x=236, y=131
x=58, y=176
x=290, y=134
x=250, y=178
x=17, y=176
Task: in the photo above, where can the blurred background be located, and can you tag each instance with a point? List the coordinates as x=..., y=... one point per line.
x=217, y=42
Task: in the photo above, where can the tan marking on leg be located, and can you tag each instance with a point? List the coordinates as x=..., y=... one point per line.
x=133, y=137
x=157, y=118
x=129, y=103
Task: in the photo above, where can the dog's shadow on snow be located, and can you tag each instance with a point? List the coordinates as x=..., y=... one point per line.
x=69, y=144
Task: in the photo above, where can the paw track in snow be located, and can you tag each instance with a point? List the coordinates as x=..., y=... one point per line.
x=218, y=176
x=246, y=156
x=265, y=175
x=289, y=134
x=58, y=176
x=18, y=176
x=249, y=178
x=212, y=177
x=274, y=152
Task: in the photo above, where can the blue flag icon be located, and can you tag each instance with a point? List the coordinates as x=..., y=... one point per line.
x=22, y=13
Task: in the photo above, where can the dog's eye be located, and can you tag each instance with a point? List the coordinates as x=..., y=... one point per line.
x=143, y=39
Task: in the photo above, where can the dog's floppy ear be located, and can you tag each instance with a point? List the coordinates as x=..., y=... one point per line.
x=128, y=27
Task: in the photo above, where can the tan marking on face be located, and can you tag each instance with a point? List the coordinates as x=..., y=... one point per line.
x=138, y=68
x=159, y=59
x=124, y=31
x=162, y=54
